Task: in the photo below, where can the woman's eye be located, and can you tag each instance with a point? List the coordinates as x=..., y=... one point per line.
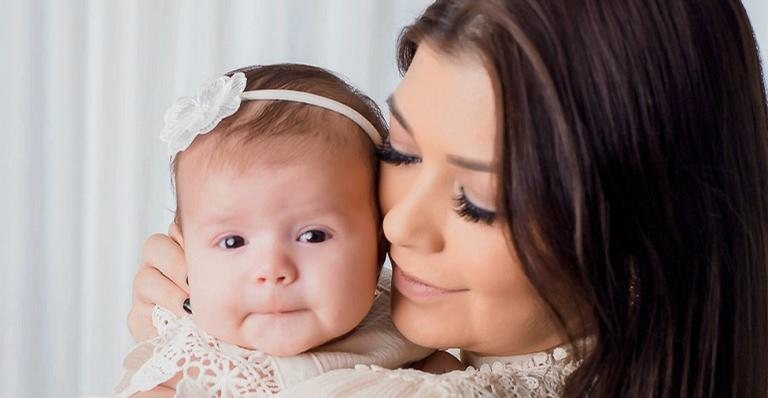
x=232, y=242
x=470, y=211
x=313, y=236
x=387, y=154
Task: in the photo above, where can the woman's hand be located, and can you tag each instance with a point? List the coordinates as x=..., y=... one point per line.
x=161, y=280
x=439, y=362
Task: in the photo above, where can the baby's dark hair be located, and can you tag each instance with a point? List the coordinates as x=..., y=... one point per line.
x=257, y=124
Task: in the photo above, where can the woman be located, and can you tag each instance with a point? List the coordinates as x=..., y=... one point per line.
x=576, y=190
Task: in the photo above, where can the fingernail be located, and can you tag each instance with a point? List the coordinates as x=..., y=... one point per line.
x=187, y=306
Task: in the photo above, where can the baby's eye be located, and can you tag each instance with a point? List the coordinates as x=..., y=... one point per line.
x=232, y=242
x=313, y=236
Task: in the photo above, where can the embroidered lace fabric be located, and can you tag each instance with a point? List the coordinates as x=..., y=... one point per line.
x=209, y=367
x=540, y=374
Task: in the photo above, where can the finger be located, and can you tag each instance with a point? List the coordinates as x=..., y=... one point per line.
x=140, y=321
x=164, y=254
x=152, y=287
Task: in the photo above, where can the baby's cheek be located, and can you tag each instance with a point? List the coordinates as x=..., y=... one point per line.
x=216, y=316
x=211, y=296
x=204, y=305
x=349, y=307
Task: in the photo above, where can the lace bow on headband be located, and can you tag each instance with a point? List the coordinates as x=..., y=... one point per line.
x=189, y=117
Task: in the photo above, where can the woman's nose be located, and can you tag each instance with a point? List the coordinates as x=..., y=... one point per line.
x=416, y=218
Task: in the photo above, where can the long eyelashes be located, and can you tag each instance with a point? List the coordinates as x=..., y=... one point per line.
x=462, y=205
x=471, y=212
x=390, y=155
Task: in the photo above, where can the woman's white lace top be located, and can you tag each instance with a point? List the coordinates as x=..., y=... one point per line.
x=541, y=374
x=212, y=368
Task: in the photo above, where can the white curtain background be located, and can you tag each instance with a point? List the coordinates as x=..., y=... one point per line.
x=83, y=178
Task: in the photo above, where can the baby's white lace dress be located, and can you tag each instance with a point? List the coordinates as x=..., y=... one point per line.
x=541, y=374
x=209, y=367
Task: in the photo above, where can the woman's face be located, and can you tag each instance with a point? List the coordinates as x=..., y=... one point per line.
x=457, y=282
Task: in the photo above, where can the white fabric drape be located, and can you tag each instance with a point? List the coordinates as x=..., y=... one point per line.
x=83, y=178
x=758, y=15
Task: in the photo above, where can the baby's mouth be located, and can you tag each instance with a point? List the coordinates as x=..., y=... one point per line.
x=277, y=311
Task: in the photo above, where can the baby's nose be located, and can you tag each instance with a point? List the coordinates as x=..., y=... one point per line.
x=278, y=280
x=277, y=270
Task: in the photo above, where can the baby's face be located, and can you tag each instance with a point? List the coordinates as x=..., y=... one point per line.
x=282, y=256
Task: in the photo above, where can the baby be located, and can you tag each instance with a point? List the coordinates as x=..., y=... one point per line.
x=275, y=177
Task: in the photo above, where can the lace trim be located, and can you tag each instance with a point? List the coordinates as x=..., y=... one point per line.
x=541, y=374
x=553, y=356
x=208, y=367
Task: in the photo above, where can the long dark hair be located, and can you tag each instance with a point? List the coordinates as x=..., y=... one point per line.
x=633, y=166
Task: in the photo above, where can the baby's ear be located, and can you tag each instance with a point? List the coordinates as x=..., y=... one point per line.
x=174, y=231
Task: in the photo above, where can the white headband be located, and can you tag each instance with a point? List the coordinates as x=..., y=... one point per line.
x=189, y=117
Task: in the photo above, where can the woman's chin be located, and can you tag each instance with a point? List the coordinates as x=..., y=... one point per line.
x=420, y=326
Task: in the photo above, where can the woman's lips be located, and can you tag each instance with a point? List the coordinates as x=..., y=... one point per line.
x=416, y=289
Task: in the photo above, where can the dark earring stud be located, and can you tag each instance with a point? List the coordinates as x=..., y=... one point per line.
x=187, y=306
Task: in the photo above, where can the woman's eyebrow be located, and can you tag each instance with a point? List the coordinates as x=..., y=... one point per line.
x=397, y=115
x=474, y=165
